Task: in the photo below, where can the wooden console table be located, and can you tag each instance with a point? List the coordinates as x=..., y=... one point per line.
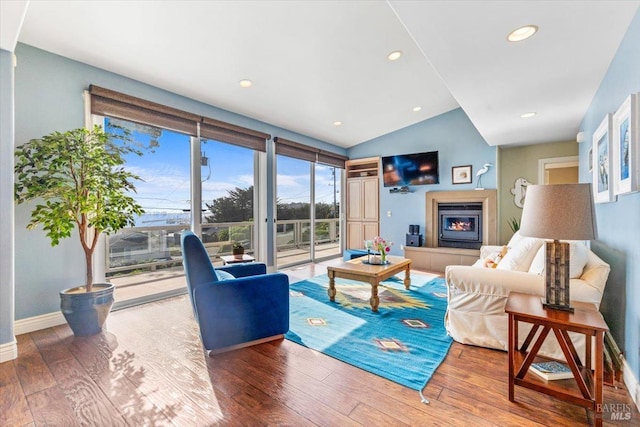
x=587, y=389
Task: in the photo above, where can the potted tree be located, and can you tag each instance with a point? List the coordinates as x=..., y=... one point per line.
x=77, y=180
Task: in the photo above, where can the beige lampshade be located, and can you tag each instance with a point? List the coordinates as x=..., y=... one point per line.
x=559, y=212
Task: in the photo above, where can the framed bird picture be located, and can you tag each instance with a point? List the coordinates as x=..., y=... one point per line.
x=602, y=188
x=624, y=146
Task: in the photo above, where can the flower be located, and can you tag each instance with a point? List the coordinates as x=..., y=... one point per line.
x=382, y=246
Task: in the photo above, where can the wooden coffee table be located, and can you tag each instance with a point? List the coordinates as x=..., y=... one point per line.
x=372, y=274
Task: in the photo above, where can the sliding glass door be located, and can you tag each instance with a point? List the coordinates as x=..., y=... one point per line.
x=327, y=211
x=227, y=174
x=293, y=203
x=210, y=187
x=308, y=211
x=144, y=261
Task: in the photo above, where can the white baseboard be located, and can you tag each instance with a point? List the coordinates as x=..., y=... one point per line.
x=631, y=382
x=8, y=351
x=36, y=323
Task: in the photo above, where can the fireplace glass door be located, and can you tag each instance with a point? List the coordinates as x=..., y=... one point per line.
x=460, y=225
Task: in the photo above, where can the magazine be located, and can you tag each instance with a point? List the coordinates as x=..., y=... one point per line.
x=551, y=370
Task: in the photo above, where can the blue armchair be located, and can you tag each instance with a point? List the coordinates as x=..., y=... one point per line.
x=236, y=305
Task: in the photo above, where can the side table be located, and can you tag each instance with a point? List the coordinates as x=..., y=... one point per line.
x=587, y=389
x=231, y=259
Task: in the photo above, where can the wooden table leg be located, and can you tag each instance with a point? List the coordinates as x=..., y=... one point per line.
x=332, y=285
x=375, y=301
x=407, y=277
x=513, y=347
x=598, y=377
x=587, y=352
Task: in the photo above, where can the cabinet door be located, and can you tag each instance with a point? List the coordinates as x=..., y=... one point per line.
x=370, y=205
x=369, y=230
x=355, y=238
x=354, y=200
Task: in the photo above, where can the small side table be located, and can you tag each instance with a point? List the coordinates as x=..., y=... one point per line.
x=586, y=320
x=231, y=259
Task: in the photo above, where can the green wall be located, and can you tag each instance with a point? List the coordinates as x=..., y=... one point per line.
x=522, y=162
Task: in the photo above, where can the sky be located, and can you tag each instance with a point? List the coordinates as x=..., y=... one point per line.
x=166, y=174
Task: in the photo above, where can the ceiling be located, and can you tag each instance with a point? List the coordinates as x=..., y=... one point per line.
x=315, y=63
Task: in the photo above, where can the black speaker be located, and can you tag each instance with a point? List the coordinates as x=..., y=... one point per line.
x=414, y=240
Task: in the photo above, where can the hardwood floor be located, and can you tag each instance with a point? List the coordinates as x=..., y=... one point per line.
x=149, y=369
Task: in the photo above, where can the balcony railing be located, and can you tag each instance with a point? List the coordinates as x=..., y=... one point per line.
x=140, y=249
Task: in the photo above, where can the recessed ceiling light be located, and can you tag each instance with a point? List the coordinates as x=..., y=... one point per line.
x=396, y=54
x=527, y=115
x=416, y=109
x=522, y=33
x=245, y=83
x=337, y=123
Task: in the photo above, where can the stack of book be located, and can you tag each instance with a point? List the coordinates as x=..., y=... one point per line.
x=551, y=370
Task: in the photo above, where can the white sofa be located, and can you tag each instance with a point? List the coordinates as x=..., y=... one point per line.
x=477, y=294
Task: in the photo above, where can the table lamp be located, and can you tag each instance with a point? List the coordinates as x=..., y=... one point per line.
x=558, y=212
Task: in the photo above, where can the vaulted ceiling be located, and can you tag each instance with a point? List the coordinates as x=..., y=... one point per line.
x=314, y=63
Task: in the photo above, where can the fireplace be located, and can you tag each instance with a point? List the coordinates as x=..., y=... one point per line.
x=467, y=203
x=432, y=257
x=460, y=225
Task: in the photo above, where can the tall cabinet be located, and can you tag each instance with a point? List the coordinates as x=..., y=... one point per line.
x=363, y=207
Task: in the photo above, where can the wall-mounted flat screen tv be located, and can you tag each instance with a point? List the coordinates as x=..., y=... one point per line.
x=410, y=169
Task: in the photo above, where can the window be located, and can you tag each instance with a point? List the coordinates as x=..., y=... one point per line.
x=227, y=197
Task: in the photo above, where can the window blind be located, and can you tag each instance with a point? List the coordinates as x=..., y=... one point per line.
x=226, y=132
x=296, y=150
x=110, y=103
x=332, y=159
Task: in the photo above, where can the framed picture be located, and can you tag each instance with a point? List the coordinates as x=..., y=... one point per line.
x=625, y=147
x=602, y=185
x=461, y=174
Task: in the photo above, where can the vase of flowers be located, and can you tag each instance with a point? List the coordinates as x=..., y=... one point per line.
x=380, y=245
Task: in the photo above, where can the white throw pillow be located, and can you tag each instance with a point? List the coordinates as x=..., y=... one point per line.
x=519, y=257
x=538, y=263
x=515, y=239
x=578, y=256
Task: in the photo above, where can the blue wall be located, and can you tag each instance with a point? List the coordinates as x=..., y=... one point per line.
x=48, y=97
x=619, y=222
x=458, y=143
x=6, y=198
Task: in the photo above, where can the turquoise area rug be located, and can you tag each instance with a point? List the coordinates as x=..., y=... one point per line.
x=405, y=341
